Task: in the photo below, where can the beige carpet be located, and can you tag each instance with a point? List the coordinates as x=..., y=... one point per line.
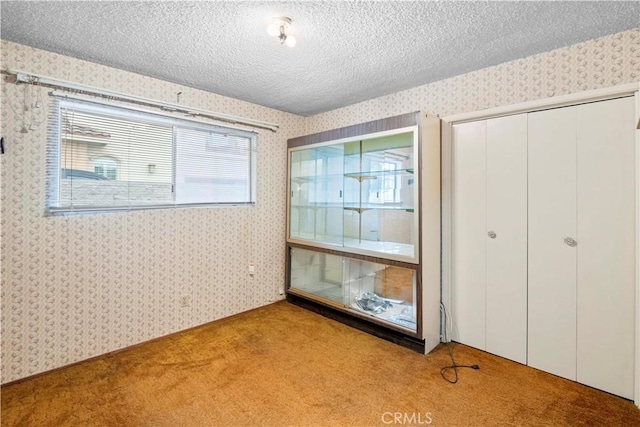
x=281, y=365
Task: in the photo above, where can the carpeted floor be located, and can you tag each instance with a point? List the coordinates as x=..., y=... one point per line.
x=281, y=365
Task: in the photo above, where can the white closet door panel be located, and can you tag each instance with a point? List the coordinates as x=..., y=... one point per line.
x=468, y=233
x=606, y=245
x=506, y=290
x=552, y=263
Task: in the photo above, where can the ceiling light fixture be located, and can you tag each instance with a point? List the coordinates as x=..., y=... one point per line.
x=279, y=27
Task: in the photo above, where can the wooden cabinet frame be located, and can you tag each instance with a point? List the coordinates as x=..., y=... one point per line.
x=426, y=261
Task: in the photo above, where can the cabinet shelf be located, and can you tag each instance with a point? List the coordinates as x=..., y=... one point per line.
x=318, y=205
x=360, y=176
x=365, y=175
x=355, y=207
x=316, y=178
x=378, y=206
x=303, y=179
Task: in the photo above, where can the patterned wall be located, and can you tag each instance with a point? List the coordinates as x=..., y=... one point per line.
x=603, y=62
x=79, y=286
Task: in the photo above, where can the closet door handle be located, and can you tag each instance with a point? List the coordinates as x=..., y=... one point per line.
x=492, y=234
x=570, y=242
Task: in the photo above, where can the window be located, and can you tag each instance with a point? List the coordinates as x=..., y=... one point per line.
x=102, y=157
x=393, y=177
x=106, y=166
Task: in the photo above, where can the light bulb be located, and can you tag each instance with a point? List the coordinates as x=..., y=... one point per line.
x=290, y=41
x=274, y=29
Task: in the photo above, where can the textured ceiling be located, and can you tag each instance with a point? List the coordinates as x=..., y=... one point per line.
x=347, y=52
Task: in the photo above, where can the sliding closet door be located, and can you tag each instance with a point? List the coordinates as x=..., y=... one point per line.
x=506, y=238
x=606, y=245
x=468, y=224
x=552, y=233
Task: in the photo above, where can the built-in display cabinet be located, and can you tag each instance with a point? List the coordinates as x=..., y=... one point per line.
x=363, y=232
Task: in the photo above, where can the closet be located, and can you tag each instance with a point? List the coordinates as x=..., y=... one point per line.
x=543, y=240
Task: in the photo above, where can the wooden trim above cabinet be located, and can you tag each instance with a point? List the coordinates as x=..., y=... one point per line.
x=396, y=122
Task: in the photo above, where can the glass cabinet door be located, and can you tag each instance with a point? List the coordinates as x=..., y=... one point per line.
x=380, y=191
x=360, y=195
x=318, y=274
x=385, y=292
x=315, y=208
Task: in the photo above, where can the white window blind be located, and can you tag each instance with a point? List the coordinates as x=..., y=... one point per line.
x=212, y=167
x=102, y=157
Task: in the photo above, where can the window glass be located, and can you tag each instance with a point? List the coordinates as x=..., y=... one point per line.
x=106, y=167
x=104, y=157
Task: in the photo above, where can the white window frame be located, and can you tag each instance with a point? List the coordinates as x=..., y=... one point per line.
x=54, y=144
x=102, y=162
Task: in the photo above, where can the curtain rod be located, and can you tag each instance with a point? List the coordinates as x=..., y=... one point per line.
x=30, y=78
x=163, y=113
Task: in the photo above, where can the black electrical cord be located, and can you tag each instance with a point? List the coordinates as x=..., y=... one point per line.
x=453, y=365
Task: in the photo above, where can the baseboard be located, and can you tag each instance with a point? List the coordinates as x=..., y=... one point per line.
x=130, y=347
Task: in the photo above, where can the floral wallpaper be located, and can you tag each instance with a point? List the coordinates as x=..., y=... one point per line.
x=75, y=287
x=599, y=63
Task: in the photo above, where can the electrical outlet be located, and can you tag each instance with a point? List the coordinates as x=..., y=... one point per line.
x=185, y=301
